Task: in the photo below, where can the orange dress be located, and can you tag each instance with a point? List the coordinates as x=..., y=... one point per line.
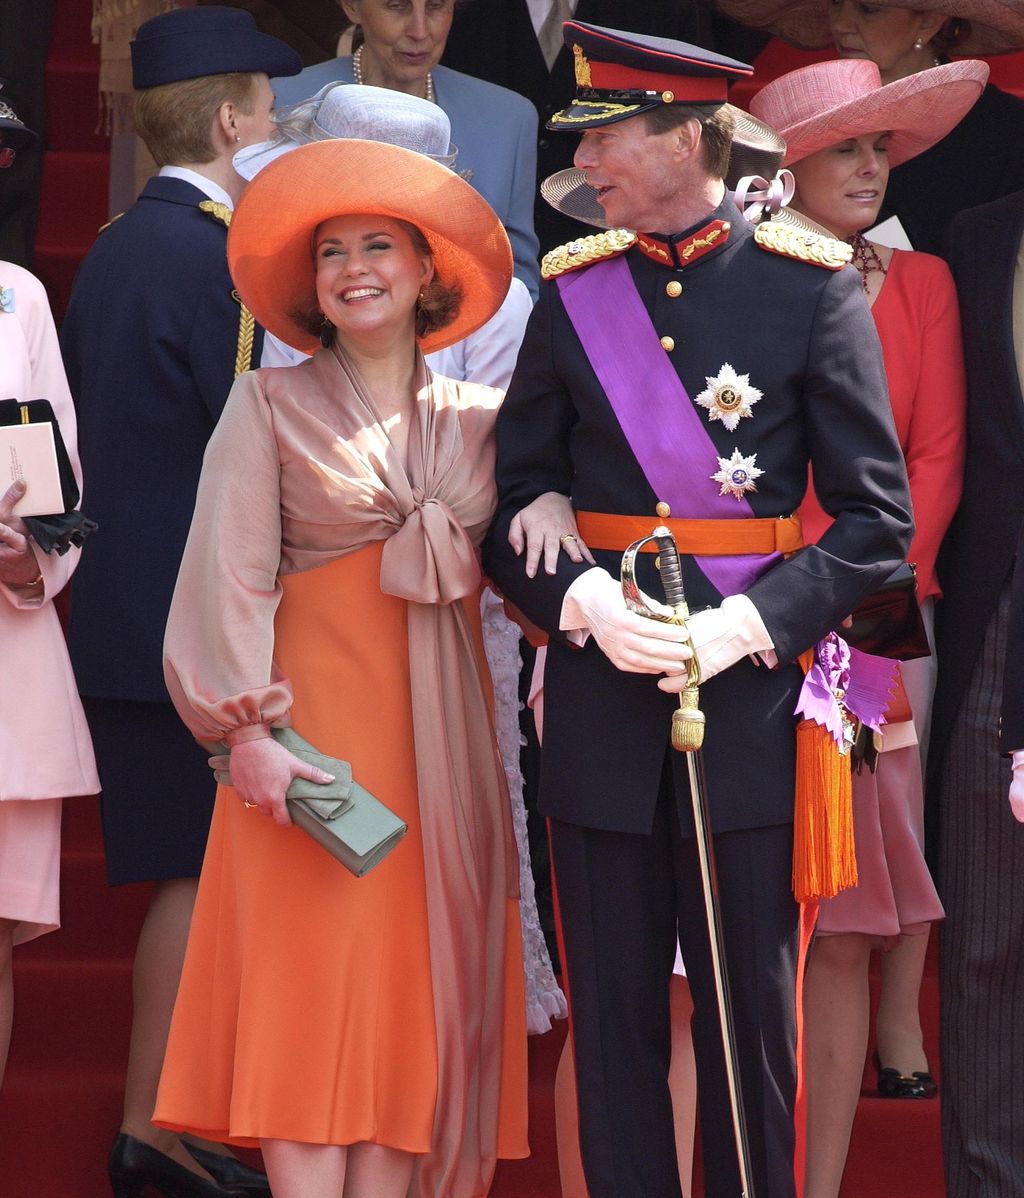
x=309, y=1006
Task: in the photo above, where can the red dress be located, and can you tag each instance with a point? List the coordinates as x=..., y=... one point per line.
x=918, y=322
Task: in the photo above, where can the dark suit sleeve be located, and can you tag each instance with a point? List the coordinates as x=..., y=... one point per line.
x=534, y=432
x=213, y=342
x=860, y=478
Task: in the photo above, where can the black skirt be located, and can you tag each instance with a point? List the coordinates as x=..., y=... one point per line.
x=158, y=791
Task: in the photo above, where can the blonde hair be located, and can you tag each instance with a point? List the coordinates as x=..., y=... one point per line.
x=175, y=119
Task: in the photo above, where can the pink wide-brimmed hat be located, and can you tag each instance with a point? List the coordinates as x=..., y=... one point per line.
x=828, y=102
x=988, y=26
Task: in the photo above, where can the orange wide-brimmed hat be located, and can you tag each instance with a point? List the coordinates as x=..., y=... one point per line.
x=826, y=103
x=270, y=240
x=985, y=26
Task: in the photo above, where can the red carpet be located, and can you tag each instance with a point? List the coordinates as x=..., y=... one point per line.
x=60, y=1107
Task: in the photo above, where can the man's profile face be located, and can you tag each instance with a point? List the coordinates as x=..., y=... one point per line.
x=636, y=173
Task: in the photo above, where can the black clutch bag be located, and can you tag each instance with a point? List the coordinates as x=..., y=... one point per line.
x=62, y=529
x=889, y=622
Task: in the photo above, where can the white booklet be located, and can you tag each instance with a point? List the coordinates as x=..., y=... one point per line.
x=27, y=451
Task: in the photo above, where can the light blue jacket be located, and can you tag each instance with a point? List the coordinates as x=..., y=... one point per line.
x=495, y=131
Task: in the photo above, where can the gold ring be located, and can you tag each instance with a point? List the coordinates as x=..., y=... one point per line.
x=248, y=804
x=567, y=536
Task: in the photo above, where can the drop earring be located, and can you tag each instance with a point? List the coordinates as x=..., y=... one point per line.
x=326, y=333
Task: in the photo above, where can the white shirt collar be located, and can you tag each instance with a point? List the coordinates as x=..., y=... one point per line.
x=539, y=10
x=211, y=190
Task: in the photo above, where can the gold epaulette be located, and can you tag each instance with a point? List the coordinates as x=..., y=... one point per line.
x=584, y=251
x=217, y=210
x=103, y=228
x=803, y=245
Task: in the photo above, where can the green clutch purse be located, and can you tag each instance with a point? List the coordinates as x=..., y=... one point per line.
x=343, y=817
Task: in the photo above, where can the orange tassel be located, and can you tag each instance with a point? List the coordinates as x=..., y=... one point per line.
x=824, y=860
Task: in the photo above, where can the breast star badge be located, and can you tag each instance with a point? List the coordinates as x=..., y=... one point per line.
x=728, y=397
x=737, y=475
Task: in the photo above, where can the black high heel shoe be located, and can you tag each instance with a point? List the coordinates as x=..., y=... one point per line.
x=134, y=1165
x=893, y=1084
x=230, y=1171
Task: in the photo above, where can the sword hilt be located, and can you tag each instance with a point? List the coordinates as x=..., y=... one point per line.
x=688, y=719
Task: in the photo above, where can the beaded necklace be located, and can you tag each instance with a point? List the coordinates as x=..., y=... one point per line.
x=357, y=74
x=865, y=258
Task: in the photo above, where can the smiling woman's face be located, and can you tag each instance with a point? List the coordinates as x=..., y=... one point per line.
x=842, y=186
x=368, y=277
x=404, y=40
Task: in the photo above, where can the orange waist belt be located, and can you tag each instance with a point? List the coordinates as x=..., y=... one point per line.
x=776, y=534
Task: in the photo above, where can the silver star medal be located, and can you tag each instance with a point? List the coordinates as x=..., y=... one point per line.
x=737, y=475
x=728, y=396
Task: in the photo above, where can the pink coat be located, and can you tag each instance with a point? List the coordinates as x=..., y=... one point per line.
x=45, y=751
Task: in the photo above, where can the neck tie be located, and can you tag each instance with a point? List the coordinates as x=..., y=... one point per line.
x=550, y=34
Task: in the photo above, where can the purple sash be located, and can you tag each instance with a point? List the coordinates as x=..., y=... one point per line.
x=671, y=443
x=658, y=418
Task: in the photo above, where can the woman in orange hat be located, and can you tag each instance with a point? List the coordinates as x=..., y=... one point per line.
x=368, y=1033
x=844, y=130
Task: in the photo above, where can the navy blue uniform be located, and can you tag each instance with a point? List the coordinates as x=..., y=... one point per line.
x=149, y=345
x=609, y=779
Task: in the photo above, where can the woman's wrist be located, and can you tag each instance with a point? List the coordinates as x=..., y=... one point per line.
x=248, y=732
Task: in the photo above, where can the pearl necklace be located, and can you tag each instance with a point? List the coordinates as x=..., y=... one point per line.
x=357, y=74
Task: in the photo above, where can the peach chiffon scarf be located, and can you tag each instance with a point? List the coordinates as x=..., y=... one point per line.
x=300, y=471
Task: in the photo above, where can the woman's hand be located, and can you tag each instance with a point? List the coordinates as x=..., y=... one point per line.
x=544, y=527
x=262, y=771
x=18, y=565
x=1017, y=786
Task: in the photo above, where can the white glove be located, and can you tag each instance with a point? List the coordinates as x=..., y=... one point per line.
x=1017, y=786
x=632, y=643
x=724, y=635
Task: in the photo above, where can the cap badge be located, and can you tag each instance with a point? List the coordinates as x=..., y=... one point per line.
x=728, y=397
x=582, y=67
x=737, y=475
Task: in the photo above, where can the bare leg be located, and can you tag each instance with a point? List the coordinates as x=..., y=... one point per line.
x=305, y=1170
x=375, y=1171
x=836, y=1014
x=898, y=1026
x=7, y=927
x=155, y=976
x=682, y=1079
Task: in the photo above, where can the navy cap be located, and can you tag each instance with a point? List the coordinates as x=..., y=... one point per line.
x=187, y=43
x=13, y=130
x=620, y=74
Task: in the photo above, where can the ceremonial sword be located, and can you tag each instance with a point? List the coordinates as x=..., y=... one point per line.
x=688, y=737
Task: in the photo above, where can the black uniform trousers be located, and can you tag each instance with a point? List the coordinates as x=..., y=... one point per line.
x=622, y=897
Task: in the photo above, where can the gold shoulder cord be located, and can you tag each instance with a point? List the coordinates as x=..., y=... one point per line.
x=804, y=246
x=586, y=250
x=246, y=320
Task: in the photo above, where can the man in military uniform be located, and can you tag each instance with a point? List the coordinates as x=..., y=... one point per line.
x=695, y=363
